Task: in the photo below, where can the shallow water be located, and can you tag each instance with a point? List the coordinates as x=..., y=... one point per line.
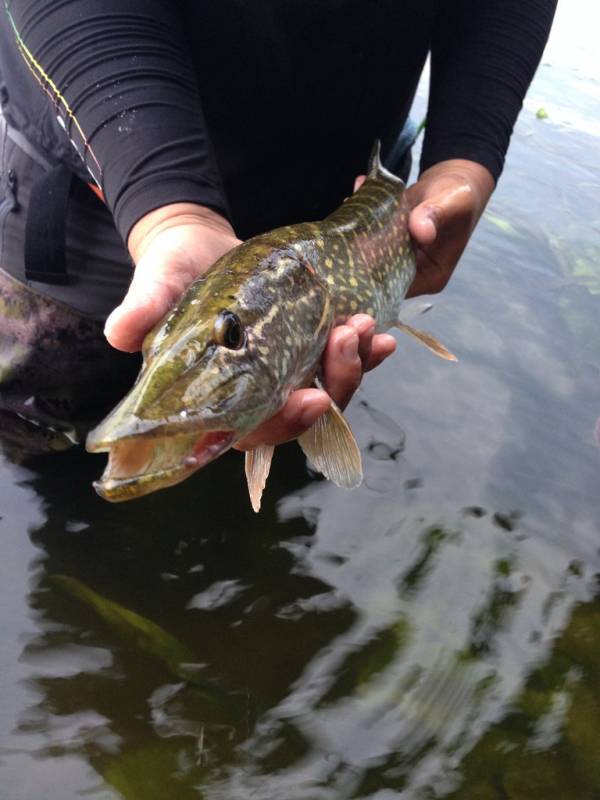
x=433, y=634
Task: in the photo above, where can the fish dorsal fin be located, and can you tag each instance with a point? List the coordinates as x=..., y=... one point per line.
x=376, y=168
x=331, y=448
x=430, y=342
x=258, y=464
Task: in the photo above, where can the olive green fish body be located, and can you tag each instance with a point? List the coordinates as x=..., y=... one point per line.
x=251, y=331
x=363, y=251
x=371, y=245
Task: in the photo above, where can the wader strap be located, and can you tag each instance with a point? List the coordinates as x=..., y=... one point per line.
x=45, y=229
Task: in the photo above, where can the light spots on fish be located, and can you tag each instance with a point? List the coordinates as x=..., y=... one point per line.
x=288, y=287
x=367, y=261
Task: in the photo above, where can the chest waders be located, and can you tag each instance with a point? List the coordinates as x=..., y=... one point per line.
x=63, y=268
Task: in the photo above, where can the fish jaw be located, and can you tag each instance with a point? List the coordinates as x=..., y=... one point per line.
x=149, y=454
x=140, y=465
x=130, y=419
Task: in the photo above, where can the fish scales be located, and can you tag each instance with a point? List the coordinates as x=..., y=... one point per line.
x=364, y=252
x=252, y=330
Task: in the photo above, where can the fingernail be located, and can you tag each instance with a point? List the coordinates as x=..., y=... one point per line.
x=349, y=346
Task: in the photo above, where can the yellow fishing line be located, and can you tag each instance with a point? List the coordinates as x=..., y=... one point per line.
x=38, y=72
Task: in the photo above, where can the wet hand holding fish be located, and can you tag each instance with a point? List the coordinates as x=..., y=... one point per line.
x=251, y=331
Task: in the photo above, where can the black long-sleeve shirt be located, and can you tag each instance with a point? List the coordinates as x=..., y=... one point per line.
x=267, y=110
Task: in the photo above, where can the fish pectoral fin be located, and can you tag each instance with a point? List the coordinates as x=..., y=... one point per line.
x=258, y=465
x=430, y=342
x=331, y=448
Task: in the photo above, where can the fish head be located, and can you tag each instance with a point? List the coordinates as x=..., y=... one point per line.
x=221, y=362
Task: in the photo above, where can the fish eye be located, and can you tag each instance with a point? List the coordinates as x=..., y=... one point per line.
x=228, y=331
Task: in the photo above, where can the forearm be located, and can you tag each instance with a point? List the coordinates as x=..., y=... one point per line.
x=120, y=81
x=484, y=55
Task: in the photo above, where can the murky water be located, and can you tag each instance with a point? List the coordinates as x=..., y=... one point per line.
x=434, y=634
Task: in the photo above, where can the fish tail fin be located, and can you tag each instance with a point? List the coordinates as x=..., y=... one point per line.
x=376, y=168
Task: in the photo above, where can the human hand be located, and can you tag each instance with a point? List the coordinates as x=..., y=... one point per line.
x=446, y=203
x=171, y=247
x=174, y=245
x=352, y=349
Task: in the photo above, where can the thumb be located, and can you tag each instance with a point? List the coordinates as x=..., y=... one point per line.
x=151, y=294
x=127, y=325
x=172, y=246
x=434, y=213
x=423, y=223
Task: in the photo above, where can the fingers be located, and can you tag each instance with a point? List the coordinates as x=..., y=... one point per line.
x=351, y=350
x=383, y=346
x=342, y=365
x=365, y=329
x=299, y=413
x=144, y=305
x=358, y=182
x=342, y=368
x=372, y=348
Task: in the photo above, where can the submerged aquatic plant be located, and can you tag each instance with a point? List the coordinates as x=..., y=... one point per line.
x=147, y=636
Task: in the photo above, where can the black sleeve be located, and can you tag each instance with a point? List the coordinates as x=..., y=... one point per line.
x=484, y=54
x=118, y=75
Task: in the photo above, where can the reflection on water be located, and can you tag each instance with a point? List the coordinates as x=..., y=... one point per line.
x=433, y=634
x=332, y=648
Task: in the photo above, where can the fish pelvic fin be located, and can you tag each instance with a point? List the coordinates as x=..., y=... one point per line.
x=331, y=448
x=430, y=342
x=376, y=168
x=258, y=465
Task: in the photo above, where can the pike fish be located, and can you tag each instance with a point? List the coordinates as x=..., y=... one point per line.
x=252, y=330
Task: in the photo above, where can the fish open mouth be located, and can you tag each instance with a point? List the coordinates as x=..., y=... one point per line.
x=141, y=464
